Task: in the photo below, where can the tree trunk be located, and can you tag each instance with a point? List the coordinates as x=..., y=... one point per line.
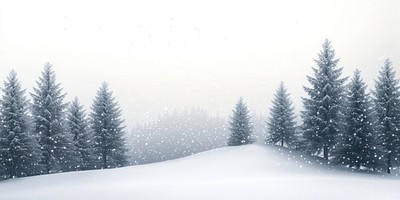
x=326, y=152
x=13, y=172
x=104, y=159
x=47, y=161
x=389, y=163
x=47, y=167
x=104, y=150
x=282, y=143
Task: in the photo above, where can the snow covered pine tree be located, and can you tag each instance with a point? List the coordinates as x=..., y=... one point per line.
x=387, y=108
x=281, y=124
x=77, y=125
x=357, y=145
x=241, y=128
x=322, y=109
x=106, y=122
x=59, y=152
x=19, y=150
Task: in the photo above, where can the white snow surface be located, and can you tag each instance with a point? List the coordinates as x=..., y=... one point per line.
x=247, y=172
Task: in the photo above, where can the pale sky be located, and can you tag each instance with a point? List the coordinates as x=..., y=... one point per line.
x=161, y=55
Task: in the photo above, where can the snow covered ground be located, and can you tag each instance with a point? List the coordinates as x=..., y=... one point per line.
x=248, y=172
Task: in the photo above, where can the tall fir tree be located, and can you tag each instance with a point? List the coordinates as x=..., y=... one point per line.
x=48, y=109
x=108, y=131
x=387, y=108
x=321, y=119
x=281, y=124
x=357, y=143
x=19, y=150
x=240, y=125
x=77, y=125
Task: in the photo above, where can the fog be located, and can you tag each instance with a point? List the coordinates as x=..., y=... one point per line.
x=159, y=56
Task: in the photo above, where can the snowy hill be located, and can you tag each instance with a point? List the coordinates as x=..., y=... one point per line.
x=247, y=172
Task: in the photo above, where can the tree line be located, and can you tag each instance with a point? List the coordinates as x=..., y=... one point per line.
x=175, y=135
x=341, y=122
x=47, y=135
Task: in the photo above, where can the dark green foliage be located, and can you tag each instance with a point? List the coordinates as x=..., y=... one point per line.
x=281, y=124
x=59, y=153
x=240, y=125
x=357, y=146
x=77, y=125
x=19, y=150
x=322, y=108
x=387, y=108
x=108, y=131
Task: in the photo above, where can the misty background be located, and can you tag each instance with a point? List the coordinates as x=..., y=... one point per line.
x=161, y=56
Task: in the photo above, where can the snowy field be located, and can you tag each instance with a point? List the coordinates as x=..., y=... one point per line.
x=248, y=172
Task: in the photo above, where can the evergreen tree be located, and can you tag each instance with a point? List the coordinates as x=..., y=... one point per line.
x=357, y=143
x=322, y=109
x=387, y=108
x=109, y=141
x=281, y=124
x=241, y=128
x=77, y=125
x=48, y=109
x=19, y=150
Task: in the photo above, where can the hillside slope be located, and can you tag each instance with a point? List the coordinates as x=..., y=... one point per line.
x=246, y=172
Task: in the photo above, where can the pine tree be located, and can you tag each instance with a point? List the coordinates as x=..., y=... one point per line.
x=357, y=143
x=387, y=108
x=322, y=109
x=48, y=109
x=109, y=141
x=77, y=125
x=240, y=125
x=281, y=124
x=19, y=150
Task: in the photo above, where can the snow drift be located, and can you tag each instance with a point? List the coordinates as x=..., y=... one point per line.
x=245, y=172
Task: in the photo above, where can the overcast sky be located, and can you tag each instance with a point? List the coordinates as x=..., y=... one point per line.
x=161, y=55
